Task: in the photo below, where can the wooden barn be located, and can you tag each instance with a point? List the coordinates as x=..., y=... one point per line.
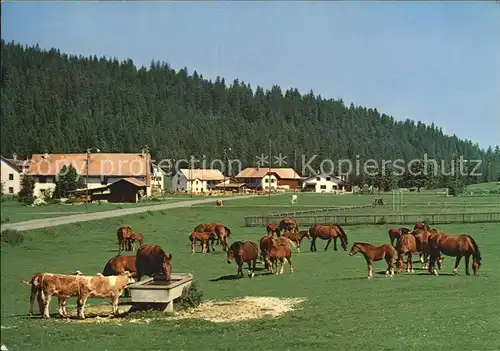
x=126, y=190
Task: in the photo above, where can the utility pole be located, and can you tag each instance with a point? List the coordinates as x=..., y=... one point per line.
x=191, y=175
x=145, y=152
x=269, y=172
x=89, y=151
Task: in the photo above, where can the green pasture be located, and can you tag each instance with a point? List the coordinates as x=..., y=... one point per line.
x=342, y=309
x=14, y=211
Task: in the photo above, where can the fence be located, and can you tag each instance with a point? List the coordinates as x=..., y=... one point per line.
x=318, y=210
x=356, y=219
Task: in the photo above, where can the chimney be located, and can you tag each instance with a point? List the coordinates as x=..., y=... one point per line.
x=14, y=156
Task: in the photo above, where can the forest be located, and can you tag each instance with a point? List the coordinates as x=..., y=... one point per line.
x=54, y=102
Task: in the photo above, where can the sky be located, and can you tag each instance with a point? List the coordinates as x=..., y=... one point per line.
x=431, y=62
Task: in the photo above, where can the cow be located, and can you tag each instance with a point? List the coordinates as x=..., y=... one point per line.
x=152, y=260
x=99, y=286
x=35, y=283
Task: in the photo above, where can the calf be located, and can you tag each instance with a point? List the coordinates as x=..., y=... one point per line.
x=279, y=253
x=61, y=285
x=101, y=287
x=36, y=285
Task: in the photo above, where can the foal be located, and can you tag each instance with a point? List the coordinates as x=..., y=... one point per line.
x=278, y=253
x=372, y=253
x=297, y=237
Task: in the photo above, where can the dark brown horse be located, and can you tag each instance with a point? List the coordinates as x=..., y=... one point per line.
x=421, y=225
x=244, y=251
x=206, y=239
x=151, y=260
x=279, y=253
x=328, y=232
x=122, y=234
x=456, y=246
x=273, y=228
x=288, y=225
x=372, y=253
x=396, y=232
x=296, y=237
x=406, y=245
x=221, y=230
x=119, y=264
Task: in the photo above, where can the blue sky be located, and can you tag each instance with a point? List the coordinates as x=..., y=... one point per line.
x=435, y=62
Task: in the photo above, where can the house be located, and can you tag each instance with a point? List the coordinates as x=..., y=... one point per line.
x=324, y=183
x=97, y=169
x=263, y=178
x=123, y=190
x=231, y=184
x=157, y=177
x=11, y=172
x=196, y=180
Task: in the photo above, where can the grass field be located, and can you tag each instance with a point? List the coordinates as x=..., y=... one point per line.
x=341, y=308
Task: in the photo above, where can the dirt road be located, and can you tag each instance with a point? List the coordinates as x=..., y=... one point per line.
x=55, y=221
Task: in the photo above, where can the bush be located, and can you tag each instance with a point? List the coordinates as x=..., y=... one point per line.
x=381, y=220
x=12, y=237
x=191, y=296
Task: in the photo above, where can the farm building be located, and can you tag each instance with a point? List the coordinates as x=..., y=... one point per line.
x=123, y=190
x=324, y=183
x=97, y=169
x=232, y=185
x=11, y=172
x=263, y=178
x=196, y=180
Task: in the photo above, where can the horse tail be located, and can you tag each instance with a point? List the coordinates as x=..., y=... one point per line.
x=228, y=231
x=476, y=248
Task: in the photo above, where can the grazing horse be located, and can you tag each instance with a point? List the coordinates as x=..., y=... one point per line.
x=456, y=246
x=206, y=239
x=273, y=228
x=296, y=237
x=396, y=232
x=221, y=230
x=152, y=260
x=421, y=225
x=372, y=253
x=122, y=234
x=279, y=253
x=244, y=251
x=328, y=232
x=135, y=237
x=406, y=245
x=288, y=225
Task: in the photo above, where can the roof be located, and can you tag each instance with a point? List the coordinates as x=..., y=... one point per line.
x=100, y=164
x=283, y=173
x=12, y=163
x=202, y=174
x=335, y=179
x=231, y=185
x=134, y=181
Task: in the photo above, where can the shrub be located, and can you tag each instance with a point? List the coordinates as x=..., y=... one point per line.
x=6, y=220
x=381, y=220
x=12, y=237
x=191, y=296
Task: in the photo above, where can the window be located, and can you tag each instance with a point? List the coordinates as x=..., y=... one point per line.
x=11, y=190
x=328, y=178
x=266, y=181
x=178, y=181
x=11, y=176
x=318, y=178
x=322, y=187
x=42, y=179
x=273, y=180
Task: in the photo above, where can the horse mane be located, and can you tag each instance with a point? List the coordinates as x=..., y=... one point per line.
x=476, y=248
x=344, y=235
x=361, y=243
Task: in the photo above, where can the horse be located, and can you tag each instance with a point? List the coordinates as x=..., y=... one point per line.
x=421, y=225
x=122, y=234
x=328, y=232
x=396, y=232
x=288, y=225
x=221, y=230
x=422, y=239
x=279, y=253
x=243, y=251
x=265, y=243
x=120, y=264
x=152, y=260
x=372, y=253
x=296, y=237
x=135, y=237
x=406, y=245
x=206, y=239
x=457, y=246
x=273, y=228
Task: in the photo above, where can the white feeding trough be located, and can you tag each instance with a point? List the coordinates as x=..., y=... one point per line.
x=158, y=294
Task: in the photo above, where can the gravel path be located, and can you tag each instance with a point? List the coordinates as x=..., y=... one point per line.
x=55, y=221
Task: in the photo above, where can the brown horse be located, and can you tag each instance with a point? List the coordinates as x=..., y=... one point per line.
x=396, y=232
x=372, y=253
x=456, y=246
x=135, y=237
x=151, y=260
x=279, y=253
x=328, y=232
x=273, y=228
x=288, y=225
x=406, y=245
x=119, y=264
x=421, y=225
x=122, y=234
x=221, y=230
x=244, y=251
x=265, y=243
x=296, y=237
x=422, y=240
x=206, y=239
